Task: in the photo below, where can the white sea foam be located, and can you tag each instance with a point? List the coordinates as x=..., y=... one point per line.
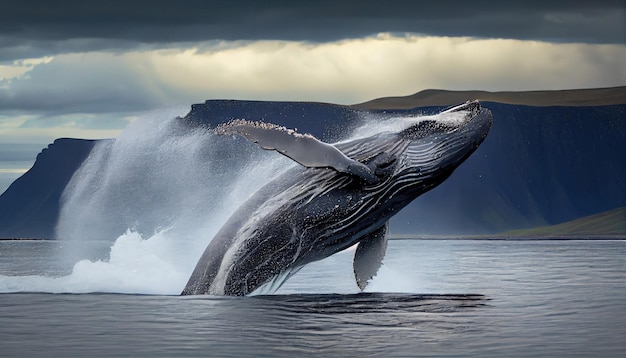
x=390, y=280
x=135, y=265
x=376, y=123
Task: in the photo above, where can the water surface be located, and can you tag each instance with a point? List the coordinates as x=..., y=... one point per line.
x=433, y=297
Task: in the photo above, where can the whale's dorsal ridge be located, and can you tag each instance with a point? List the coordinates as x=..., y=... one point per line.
x=305, y=149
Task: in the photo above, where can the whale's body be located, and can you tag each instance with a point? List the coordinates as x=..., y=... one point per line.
x=342, y=195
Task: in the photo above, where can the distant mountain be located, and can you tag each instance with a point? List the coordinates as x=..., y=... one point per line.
x=606, y=224
x=539, y=166
x=433, y=97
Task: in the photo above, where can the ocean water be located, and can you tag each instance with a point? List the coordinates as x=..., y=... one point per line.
x=453, y=298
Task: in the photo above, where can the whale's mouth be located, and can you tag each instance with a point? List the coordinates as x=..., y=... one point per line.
x=477, y=120
x=473, y=107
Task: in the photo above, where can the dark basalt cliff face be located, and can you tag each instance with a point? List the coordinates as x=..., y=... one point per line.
x=324, y=120
x=29, y=208
x=538, y=166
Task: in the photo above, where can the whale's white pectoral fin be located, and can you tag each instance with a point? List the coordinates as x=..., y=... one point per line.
x=369, y=256
x=302, y=148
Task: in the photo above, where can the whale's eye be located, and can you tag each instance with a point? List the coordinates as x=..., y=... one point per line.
x=424, y=128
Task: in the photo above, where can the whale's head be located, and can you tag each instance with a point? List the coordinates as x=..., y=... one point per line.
x=438, y=144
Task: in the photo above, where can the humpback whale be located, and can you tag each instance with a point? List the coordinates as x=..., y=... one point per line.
x=340, y=195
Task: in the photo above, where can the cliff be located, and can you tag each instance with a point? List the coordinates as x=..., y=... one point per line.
x=539, y=166
x=29, y=208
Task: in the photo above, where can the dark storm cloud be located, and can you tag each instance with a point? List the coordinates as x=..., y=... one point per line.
x=33, y=27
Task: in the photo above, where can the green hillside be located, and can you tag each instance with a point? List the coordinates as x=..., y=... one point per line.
x=433, y=97
x=608, y=223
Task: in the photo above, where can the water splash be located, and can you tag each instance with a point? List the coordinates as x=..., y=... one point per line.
x=377, y=123
x=389, y=280
x=159, y=173
x=135, y=265
x=158, y=193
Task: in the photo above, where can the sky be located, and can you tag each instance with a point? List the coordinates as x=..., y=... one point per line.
x=86, y=69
